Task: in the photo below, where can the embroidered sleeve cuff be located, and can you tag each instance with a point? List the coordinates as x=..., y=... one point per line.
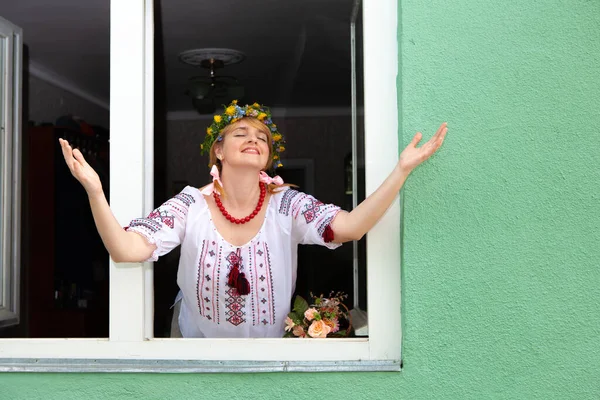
x=327, y=233
x=151, y=239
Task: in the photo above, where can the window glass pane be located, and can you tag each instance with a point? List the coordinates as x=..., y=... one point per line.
x=3, y=157
x=360, y=155
x=65, y=94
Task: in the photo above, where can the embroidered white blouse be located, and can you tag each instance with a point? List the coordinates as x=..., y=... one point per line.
x=210, y=308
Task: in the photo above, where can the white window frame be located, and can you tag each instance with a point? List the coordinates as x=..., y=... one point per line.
x=130, y=345
x=10, y=174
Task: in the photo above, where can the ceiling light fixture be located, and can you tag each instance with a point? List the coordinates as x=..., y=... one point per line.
x=206, y=91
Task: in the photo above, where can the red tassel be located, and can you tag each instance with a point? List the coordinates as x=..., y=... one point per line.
x=328, y=234
x=243, y=286
x=233, y=276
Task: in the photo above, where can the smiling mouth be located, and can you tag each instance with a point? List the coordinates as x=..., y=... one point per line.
x=251, y=151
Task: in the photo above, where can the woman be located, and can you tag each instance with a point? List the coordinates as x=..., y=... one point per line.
x=239, y=235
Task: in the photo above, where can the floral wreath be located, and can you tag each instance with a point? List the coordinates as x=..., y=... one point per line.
x=234, y=113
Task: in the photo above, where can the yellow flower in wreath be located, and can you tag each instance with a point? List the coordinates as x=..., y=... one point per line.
x=256, y=105
x=279, y=165
x=209, y=131
x=275, y=157
x=261, y=116
x=234, y=102
x=217, y=118
x=281, y=148
x=230, y=110
x=277, y=137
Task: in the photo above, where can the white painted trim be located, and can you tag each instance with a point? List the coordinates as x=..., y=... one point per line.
x=53, y=78
x=277, y=112
x=190, y=349
x=381, y=126
x=127, y=119
x=148, y=268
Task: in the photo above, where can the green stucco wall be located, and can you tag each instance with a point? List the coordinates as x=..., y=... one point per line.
x=501, y=282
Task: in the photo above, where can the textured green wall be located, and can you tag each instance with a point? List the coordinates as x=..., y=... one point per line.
x=501, y=284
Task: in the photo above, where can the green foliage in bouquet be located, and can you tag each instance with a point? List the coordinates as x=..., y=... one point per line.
x=321, y=319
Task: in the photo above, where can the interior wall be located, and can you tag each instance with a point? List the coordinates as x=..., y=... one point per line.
x=46, y=102
x=315, y=138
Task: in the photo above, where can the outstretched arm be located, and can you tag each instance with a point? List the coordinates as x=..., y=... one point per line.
x=354, y=225
x=121, y=245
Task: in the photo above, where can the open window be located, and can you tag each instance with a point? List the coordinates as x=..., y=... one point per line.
x=131, y=345
x=63, y=268
x=10, y=171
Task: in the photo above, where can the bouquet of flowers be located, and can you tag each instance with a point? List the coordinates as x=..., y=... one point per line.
x=325, y=317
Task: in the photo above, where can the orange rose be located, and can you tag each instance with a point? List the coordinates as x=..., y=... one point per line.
x=310, y=314
x=318, y=329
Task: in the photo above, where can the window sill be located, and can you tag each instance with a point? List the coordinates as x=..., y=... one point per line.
x=183, y=366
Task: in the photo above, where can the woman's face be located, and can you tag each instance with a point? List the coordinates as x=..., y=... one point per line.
x=245, y=145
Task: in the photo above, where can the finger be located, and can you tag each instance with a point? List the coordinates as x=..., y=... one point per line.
x=441, y=129
x=67, y=154
x=433, y=145
x=74, y=165
x=439, y=135
x=442, y=136
x=79, y=157
x=416, y=139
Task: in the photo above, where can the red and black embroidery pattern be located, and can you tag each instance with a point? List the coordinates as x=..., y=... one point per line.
x=286, y=201
x=165, y=215
x=235, y=303
x=315, y=212
x=258, y=307
x=144, y=225
x=312, y=209
x=207, y=280
x=261, y=279
x=186, y=199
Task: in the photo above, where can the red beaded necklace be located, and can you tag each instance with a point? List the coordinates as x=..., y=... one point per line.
x=233, y=220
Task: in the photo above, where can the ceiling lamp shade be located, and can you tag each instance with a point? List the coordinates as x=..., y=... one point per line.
x=208, y=91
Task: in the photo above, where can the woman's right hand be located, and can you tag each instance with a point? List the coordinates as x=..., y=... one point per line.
x=80, y=169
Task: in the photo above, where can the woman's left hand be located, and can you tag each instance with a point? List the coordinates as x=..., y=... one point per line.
x=412, y=156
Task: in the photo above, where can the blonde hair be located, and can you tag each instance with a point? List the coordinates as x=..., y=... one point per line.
x=255, y=123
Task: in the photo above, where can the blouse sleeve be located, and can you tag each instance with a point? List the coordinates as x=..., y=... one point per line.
x=311, y=218
x=165, y=226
